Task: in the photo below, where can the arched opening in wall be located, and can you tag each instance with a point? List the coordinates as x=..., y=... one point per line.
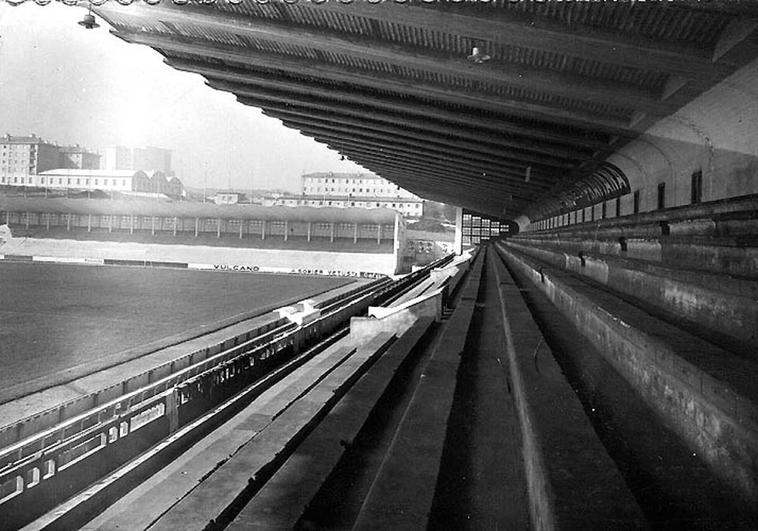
x=696, y=187
x=636, y=201
x=661, y=203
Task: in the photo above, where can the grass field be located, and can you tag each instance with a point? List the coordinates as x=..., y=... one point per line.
x=53, y=316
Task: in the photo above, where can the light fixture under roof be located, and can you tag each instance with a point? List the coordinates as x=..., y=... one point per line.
x=89, y=19
x=477, y=56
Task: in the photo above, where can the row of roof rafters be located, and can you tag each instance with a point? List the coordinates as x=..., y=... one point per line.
x=390, y=86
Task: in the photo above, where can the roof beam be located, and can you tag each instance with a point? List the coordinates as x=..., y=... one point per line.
x=419, y=138
x=499, y=177
x=494, y=72
x=419, y=151
x=362, y=78
x=481, y=200
x=258, y=81
x=501, y=27
x=387, y=122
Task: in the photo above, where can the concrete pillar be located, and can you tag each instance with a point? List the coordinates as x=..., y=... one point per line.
x=172, y=412
x=355, y=233
x=68, y=221
x=332, y=232
x=286, y=230
x=152, y=230
x=309, y=231
x=458, y=242
x=47, y=221
x=263, y=229
x=176, y=222
x=110, y=223
x=378, y=234
x=197, y=226
x=241, y=223
x=131, y=227
x=218, y=228
x=28, y=215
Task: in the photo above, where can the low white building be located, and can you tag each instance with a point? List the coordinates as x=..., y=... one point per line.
x=124, y=181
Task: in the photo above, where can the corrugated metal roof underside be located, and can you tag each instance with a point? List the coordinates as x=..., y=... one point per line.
x=385, y=74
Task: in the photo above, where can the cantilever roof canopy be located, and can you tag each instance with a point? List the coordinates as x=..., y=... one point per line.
x=391, y=85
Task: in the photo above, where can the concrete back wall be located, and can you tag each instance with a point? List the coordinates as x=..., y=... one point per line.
x=224, y=256
x=717, y=133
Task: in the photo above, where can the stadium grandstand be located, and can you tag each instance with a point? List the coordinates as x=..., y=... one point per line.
x=344, y=241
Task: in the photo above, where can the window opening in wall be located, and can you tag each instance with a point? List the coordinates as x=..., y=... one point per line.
x=32, y=477
x=661, y=196
x=696, y=191
x=636, y=201
x=49, y=468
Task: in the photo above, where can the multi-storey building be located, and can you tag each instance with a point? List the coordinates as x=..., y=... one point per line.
x=78, y=157
x=331, y=184
x=146, y=158
x=361, y=190
x=22, y=156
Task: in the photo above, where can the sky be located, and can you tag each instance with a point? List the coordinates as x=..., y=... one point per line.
x=71, y=85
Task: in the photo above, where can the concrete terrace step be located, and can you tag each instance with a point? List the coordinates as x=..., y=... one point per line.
x=572, y=482
x=706, y=394
x=719, y=304
x=215, y=497
x=159, y=493
x=402, y=493
x=282, y=500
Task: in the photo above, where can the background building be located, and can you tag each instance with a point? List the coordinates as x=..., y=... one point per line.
x=22, y=156
x=146, y=158
x=128, y=182
x=354, y=190
x=78, y=157
x=331, y=184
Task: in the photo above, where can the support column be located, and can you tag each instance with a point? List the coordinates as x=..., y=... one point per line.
x=241, y=222
x=263, y=229
x=110, y=223
x=47, y=223
x=197, y=226
x=131, y=227
x=27, y=219
x=218, y=228
x=68, y=222
x=458, y=243
x=286, y=229
x=332, y=232
x=355, y=233
x=378, y=234
x=176, y=222
x=152, y=230
x=309, y=231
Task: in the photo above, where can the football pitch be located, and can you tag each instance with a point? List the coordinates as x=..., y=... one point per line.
x=54, y=317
